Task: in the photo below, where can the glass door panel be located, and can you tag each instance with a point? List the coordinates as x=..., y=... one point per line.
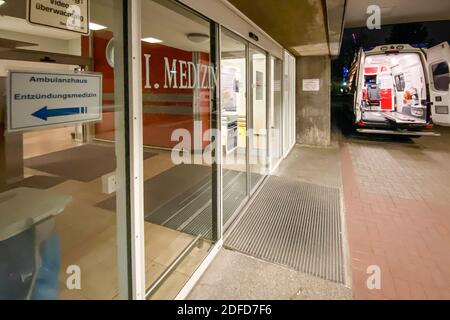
x=234, y=123
x=258, y=136
x=178, y=81
x=62, y=190
x=275, y=111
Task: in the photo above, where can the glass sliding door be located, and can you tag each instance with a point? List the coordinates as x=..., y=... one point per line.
x=258, y=135
x=178, y=82
x=289, y=85
x=63, y=193
x=233, y=92
x=276, y=73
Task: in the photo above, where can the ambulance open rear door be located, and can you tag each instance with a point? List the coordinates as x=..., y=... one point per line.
x=438, y=63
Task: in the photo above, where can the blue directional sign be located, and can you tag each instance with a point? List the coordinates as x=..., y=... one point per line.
x=37, y=100
x=46, y=113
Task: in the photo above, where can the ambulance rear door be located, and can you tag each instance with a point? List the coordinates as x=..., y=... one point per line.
x=359, y=86
x=438, y=58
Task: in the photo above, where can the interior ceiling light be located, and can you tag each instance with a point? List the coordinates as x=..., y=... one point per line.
x=151, y=40
x=197, y=37
x=2, y=2
x=96, y=27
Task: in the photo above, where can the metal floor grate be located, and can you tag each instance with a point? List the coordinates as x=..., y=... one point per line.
x=294, y=224
x=191, y=211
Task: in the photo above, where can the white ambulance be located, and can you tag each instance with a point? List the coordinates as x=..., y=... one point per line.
x=400, y=89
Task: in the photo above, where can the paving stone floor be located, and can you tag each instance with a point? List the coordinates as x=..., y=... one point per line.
x=397, y=201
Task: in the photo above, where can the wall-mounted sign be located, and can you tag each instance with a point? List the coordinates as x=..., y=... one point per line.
x=70, y=15
x=49, y=99
x=311, y=84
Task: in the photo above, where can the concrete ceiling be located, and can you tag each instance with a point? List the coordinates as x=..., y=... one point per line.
x=397, y=11
x=13, y=18
x=169, y=23
x=298, y=25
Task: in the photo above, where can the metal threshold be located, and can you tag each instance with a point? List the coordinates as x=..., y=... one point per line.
x=158, y=282
x=400, y=133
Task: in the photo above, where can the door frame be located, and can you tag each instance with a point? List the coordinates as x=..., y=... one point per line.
x=136, y=226
x=253, y=189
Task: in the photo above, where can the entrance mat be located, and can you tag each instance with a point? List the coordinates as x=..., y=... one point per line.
x=180, y=198
x=84, y=163
x=191, y=212
x=164, y=187
x=37, y=182
x=294, y=224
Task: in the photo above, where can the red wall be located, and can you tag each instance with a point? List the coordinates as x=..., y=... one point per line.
x=157, y=128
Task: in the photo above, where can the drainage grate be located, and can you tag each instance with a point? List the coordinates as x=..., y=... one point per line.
x=294, y=224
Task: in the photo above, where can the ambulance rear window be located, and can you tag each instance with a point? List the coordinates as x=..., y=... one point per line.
x=441, y=76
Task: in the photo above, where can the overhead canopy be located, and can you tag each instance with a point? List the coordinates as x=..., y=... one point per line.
x=312, y=27
x=397, y=11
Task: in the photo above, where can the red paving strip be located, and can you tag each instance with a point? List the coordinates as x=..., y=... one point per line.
x=408, y=239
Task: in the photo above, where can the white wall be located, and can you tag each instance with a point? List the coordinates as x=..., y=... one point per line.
x=259, y=106
x=45, y=44
x=6, y=65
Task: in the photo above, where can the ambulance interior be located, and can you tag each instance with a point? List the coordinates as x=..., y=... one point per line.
x=393, y=88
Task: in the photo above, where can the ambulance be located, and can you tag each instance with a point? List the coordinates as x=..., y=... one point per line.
x=401, y=89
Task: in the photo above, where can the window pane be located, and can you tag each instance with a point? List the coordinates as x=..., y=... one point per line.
x=441, y=76
x=258, y=135
x=275, y=111
x=59, y=213
x=178, y=79
x=234, y=123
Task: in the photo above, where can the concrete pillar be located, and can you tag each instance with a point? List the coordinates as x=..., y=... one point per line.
x=313, y=114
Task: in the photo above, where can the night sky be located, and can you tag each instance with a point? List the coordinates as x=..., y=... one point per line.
x=427, y=33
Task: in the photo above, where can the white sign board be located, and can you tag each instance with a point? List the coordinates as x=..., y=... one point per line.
x=49, y=99
x=311, y=84
x=70, y=15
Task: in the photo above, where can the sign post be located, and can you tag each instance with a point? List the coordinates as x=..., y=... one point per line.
x=38, y=100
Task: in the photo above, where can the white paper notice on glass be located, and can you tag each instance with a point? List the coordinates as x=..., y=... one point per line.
x=311, y=84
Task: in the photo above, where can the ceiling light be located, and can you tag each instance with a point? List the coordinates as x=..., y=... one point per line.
x=151, y=40
x=96, y=27
x=197, y=37
x=2, y=2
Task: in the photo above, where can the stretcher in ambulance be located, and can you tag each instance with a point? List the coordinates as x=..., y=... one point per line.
x=402, y=90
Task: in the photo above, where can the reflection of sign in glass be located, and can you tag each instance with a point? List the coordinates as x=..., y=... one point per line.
x=70, y=15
